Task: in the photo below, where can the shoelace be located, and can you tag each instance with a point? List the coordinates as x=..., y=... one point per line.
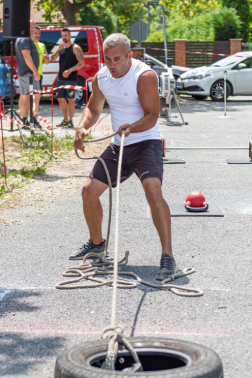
x=166, y=262
x=86, y=247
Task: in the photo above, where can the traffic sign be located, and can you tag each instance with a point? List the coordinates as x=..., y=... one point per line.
x=140, y=31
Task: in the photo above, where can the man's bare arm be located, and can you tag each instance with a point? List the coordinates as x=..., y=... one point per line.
x=90, y=115
x=79, y=56
x=55, y=55
x=147, y=88
x=29, y=61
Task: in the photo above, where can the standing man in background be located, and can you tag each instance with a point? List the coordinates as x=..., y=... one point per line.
x=43, y=58
x=71, y=59
x=27, y=64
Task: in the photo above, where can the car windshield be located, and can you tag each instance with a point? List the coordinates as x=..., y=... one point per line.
x=226, y=61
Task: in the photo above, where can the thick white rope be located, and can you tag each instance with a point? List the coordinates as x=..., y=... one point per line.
x=113, y=313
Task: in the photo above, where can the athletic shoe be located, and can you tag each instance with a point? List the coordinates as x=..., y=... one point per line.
x=88, y=247
x=70, y=124
x=36, y=124
x=168, y=267
x=26, y=124
x=62, y=123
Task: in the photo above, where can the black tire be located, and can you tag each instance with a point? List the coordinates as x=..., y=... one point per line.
x=198, y=97
x=79, y=95
x=185, y=359
x=217, y=91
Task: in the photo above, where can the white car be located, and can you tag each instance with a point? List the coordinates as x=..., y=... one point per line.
x=209, y=81
x=176, y=70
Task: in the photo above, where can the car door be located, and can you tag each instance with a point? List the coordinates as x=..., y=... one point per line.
x=243, y=77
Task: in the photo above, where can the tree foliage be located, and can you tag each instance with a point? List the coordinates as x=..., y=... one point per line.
x=99, y=15
x=70, y=10
x=190, y=8
x=219, y=24
x=243, y=9
x=227, y=24
x=123, y=9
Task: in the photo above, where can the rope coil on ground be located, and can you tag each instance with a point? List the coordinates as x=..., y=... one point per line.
x=104, y=267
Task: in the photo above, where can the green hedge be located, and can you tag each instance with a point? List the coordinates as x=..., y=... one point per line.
x=227, y=24
x=218, y=25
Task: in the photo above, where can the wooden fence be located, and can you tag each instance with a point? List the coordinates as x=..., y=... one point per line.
x=192, y=60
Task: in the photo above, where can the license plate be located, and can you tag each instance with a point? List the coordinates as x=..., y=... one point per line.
x=179, y=85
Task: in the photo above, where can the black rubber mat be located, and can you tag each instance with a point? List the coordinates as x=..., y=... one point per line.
x=180, y=211
x=239, y=161
x=173, y=161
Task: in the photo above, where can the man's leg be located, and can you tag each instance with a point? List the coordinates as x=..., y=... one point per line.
x=71, y=108
x=63, y=107
x=160, y=212
x=37, y=100
x=93, y=213
x=24, y=105
x=92, y=208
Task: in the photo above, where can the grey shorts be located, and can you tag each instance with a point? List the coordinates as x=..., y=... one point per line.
x=24, y=84
x=145, y=159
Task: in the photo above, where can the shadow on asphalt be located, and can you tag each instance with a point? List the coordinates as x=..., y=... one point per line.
x=148, y=273
x=14, y=301
x=19, y=353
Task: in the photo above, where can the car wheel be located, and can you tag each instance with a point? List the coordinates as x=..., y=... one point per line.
x=198, y=97
x=159, y=357
x=217, y=91
x=80, y=95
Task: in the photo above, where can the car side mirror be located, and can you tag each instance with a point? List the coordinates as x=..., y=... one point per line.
x=241, y=66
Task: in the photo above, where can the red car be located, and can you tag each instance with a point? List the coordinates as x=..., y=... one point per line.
x=89, y=38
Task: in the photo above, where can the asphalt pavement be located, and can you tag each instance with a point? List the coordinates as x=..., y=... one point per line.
x=37, y=321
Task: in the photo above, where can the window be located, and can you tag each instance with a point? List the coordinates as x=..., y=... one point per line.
x=5, y=46
x=248, y=62
x=82, y=41
x=50, y=38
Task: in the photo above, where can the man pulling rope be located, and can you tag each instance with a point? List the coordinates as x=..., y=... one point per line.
x=131, y=90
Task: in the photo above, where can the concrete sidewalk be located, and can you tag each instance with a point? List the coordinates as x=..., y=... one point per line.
x=37, y=322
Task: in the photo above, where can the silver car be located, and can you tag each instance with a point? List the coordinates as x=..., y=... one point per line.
x=209, y=81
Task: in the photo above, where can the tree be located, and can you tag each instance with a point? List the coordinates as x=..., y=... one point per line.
x=123, y=9
x=226, y=24
x=70, y=9
x=243, y=10
x=99, y=15
x=190, y=8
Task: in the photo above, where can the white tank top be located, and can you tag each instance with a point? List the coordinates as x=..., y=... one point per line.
x=121, y=95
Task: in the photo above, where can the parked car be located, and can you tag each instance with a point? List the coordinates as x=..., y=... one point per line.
x=209, y=81
x=90, y=38
x=160, y=67
x=177, y=71
x=5, y=81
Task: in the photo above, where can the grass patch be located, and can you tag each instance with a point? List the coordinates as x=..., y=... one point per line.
x=24, y=161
